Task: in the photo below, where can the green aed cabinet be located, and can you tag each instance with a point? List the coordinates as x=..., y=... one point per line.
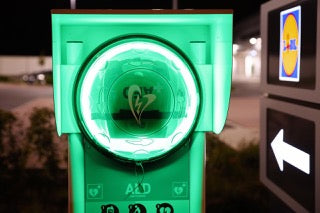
x=136, y=91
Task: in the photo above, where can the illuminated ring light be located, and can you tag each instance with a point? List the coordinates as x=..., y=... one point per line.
x=137, y=98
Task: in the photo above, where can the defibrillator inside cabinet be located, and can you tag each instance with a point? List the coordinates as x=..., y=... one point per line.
x=137, y=97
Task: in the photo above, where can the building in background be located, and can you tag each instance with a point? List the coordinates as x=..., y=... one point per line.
x=21, y=65
x=247, y=50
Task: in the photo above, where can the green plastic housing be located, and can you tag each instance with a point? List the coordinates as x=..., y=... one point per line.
x=175, y=74
x=205, y=37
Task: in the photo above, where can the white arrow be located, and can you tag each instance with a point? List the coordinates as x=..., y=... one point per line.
x=290, y=154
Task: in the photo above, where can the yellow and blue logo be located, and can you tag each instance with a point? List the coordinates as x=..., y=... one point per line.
x=289, y=58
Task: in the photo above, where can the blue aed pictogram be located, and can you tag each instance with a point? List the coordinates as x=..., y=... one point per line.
x=289, y=57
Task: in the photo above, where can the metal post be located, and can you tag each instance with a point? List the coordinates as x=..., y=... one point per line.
x=73, y=4
x=175, y=4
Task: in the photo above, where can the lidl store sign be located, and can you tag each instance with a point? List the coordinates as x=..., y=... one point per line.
x=290, y=28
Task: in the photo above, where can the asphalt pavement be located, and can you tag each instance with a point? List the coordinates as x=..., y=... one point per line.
x=15, y=95
x=243, y=120
x=244, y=106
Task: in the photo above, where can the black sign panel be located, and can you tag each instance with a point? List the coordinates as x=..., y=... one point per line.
x=289, y=152
x=299, y=133
x=306, y=54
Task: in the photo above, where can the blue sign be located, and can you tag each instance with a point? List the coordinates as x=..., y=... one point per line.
x=289, y=57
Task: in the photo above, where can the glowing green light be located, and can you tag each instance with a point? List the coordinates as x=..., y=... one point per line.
x=137, y=98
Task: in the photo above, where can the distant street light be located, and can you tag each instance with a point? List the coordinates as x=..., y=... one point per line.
x=253, y=41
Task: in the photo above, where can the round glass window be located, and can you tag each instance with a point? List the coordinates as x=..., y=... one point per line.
x=137, y=97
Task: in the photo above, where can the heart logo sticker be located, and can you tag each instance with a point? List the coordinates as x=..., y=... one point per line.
x=93, y=192
x=178, y=190
x=141, y=102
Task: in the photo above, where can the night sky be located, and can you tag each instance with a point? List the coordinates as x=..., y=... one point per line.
x=26, y=25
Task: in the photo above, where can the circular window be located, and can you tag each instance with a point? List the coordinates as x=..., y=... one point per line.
x=137, y=97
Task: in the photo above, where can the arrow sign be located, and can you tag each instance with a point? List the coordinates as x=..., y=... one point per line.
x=285, y=152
